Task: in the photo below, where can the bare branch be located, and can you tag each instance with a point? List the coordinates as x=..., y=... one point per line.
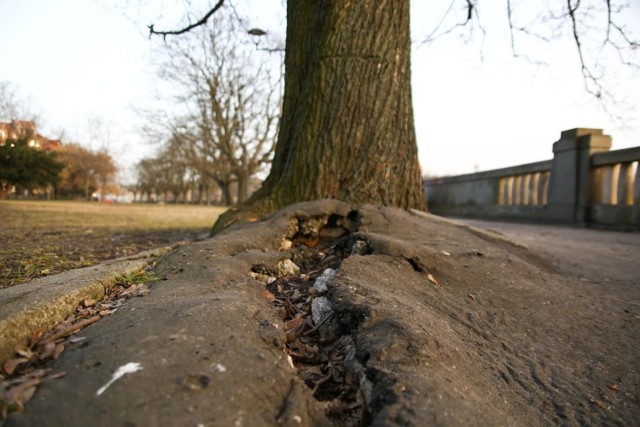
x=188, y=28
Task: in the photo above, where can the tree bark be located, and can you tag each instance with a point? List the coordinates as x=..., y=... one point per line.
x=243, y=185
x=347, y=128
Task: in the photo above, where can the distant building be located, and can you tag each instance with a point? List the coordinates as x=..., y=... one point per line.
x=26, y=129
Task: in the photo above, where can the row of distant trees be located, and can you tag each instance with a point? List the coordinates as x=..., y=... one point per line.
x=69, y=171
x=219, y=131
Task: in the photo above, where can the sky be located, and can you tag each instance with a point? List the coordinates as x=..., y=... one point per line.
x=88, y=64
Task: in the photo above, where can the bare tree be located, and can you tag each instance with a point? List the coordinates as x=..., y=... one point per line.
x=14, y=106
x=596, y=29
x=229, y=96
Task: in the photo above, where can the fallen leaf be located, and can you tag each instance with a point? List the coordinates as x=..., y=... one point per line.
x=21, y=394
x=11, y=364
x=25, y=353
x=613, y=387
x=433, y=280
x=600, y=404
x=57, y=375
x=88, y=302
x=472, y=296
x=58, y=351
x=445, y=253
x=268, y=295
x=310, y=241
x=47, y=350
x=35, y=337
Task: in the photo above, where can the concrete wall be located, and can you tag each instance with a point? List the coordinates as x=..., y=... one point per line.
x=583, y=183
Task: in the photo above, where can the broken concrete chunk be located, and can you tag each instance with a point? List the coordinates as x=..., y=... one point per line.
x=263, y=278
x=285, y=245
x=320, y=310
x=286, y=267
x=360, y=247
x=321, y=283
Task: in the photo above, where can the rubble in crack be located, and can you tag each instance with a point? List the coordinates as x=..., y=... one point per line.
x=319, y=344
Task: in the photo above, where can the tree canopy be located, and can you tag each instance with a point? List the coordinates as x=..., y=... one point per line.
x=27, y=167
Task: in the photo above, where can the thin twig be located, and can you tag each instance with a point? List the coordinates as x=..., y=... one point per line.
x=202, y=21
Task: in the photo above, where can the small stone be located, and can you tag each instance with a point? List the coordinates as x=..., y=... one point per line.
x=286, y=267
x=360, y=247
x=285, y=245
x=320, y=310
x=321, y=283
x=263, y=278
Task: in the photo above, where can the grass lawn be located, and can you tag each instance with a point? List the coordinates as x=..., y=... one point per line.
x=41, y=238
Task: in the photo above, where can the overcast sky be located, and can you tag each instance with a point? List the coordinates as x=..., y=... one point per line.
x=476, y=107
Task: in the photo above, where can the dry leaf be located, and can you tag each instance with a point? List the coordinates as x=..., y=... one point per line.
x=472, y=296
x=88, y=302
x=433, y=279
x=25, y=353
x=35, y=337
x=57, y=375
x=21, y=393
x=600, y=404
x=11, y=364
x=268, y=295
x=613, y=387
x=48, y=350
x=58, y=351
x=310, y=241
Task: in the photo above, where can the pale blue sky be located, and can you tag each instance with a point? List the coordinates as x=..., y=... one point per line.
x=475, y=106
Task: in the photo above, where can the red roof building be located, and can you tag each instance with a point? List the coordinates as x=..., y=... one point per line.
x=26, y=129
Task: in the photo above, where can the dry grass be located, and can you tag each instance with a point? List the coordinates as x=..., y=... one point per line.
x=41, y=238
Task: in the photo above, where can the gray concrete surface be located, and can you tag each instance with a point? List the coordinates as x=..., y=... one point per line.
x=590, y=255
x=42, y=303
x=509, y=336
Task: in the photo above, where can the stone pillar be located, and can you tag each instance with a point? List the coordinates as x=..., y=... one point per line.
x=570, y=173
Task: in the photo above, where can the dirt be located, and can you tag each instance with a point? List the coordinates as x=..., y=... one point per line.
x=429, y=323
x=37, y=252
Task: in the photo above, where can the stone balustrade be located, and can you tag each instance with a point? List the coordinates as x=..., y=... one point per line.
x=584, y=183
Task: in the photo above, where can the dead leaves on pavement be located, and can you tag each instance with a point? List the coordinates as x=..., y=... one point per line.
x=21, y=375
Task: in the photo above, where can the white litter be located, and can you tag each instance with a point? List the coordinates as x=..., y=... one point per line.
x=129, y=368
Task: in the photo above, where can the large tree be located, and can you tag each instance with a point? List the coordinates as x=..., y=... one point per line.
x=347, y=128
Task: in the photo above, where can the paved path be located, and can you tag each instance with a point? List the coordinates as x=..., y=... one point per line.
x=499, y=342
x=591, y=255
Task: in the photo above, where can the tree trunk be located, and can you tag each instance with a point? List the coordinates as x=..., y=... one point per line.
x=225, y=189
x=243, y=186
x=347, y=124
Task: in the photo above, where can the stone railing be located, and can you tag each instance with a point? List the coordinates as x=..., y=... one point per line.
x=615, y=186
x=527, y=187
x=583, y=183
